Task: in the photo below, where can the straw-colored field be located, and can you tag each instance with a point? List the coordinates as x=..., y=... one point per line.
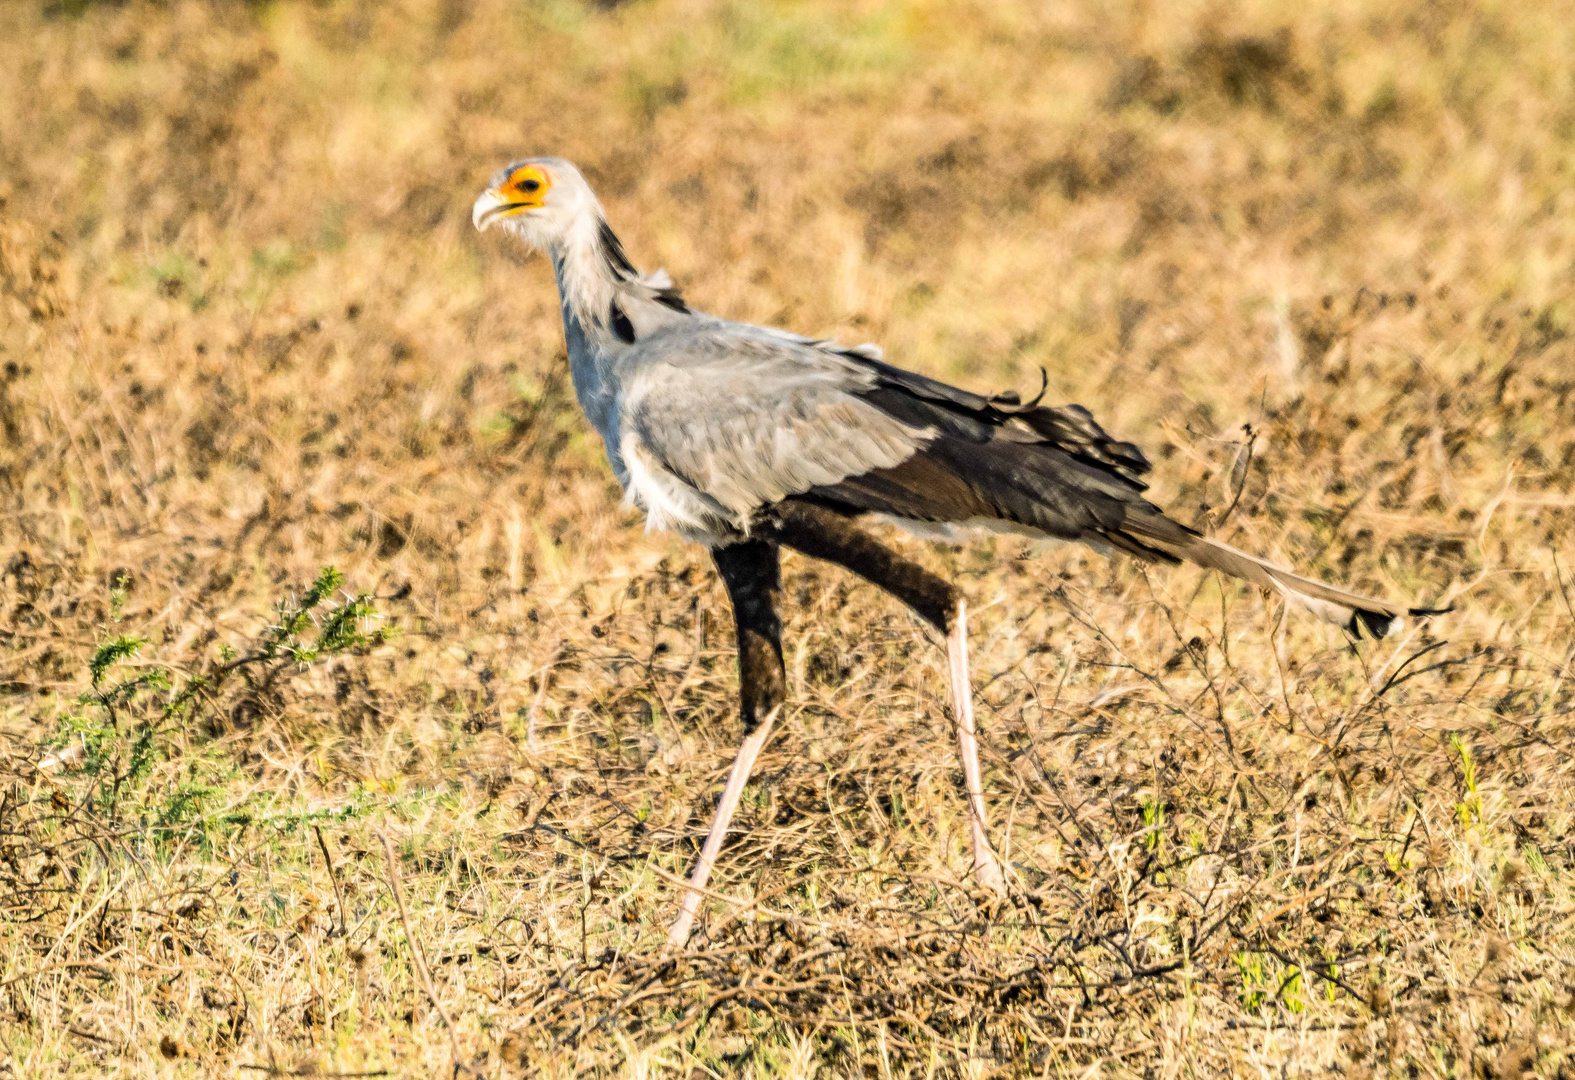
x=1317, y=259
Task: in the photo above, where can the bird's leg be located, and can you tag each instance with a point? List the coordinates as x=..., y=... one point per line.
x=985, y=868
x=743, y=765
x=751, y=570
x=825, y=534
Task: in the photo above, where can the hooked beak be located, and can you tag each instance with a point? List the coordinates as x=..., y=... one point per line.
x=489, y=207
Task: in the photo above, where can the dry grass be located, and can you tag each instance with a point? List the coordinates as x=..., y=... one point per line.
x=247, y=332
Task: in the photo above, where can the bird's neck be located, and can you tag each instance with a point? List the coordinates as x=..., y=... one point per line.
x=588, y=278
x=607, y=306
x=588, y=284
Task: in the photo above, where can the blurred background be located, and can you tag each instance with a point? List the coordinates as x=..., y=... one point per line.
x=1315, y=258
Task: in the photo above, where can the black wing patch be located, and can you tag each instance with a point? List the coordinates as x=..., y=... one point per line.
x=1072, y=428
x=1051, y=468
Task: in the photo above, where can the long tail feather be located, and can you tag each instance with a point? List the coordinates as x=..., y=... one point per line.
x=1355, y=612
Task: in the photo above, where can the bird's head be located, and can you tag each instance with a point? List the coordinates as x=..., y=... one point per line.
x=540, y=200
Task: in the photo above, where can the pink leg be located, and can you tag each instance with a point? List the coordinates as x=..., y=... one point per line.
x=743, y=765
x=985, y=866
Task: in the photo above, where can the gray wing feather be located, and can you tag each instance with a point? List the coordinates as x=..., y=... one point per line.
x=747, y=417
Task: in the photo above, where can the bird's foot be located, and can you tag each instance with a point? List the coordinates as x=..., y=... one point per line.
x=988, y=873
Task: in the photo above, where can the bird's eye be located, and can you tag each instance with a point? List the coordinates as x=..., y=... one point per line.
x=530, y=185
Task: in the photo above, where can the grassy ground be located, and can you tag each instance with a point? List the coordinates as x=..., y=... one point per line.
x=1315, y=258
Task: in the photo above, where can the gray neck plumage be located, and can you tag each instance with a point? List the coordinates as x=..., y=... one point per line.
x=607, y=306
x=590, y=348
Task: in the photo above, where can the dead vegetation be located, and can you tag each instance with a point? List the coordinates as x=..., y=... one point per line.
x=1316, y=260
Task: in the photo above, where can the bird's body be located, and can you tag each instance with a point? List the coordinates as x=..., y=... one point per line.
x=743, y=437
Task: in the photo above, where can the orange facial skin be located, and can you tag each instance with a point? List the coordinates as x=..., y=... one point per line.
x=526, y=189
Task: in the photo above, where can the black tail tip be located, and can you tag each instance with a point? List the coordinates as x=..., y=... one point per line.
x=1378, y=624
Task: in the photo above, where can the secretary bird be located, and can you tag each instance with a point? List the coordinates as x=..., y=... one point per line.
x=746, y=438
